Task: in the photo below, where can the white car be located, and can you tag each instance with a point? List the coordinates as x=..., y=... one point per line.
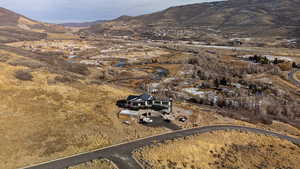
x=147, y=120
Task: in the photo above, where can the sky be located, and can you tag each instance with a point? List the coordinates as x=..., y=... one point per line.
x=60, y=11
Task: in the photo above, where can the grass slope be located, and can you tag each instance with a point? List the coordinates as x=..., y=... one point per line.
x=244, y=17
x=221, y=149
x=96, y=164
x=43, y=118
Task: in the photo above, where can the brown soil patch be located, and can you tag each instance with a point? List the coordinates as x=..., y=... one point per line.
x=298, y=75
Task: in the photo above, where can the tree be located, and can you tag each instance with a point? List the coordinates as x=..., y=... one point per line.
x=275, y=61
x=294, y=65
x=216, y=83
x=223, y=81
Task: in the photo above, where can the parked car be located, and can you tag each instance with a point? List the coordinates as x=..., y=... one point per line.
x=183, y=119
x=127, y=122
x=122, y=103
x=146, y=120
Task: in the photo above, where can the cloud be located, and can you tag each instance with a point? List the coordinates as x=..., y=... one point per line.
x=88, y=10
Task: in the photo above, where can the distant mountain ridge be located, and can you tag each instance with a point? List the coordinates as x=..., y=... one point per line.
x=242, y=18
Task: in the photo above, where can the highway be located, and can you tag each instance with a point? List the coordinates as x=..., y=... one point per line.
x=121, y=154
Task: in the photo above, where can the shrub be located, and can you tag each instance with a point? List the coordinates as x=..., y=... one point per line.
x=4, y=58
x=26, y=63
x=61, y=64
x=23, y=75
x=78, y=68
x=285, y=66
x=63, y=79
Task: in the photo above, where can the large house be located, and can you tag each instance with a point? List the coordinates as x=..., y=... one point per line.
x=146, y=101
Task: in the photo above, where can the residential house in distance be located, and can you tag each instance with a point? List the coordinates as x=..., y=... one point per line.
x=146, y=101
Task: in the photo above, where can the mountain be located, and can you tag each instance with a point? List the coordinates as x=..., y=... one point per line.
x=16, y=27
x=232, y=18
x=82, y=24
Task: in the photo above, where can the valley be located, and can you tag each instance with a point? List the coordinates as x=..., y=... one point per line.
x=82, y=97
x=67, y=90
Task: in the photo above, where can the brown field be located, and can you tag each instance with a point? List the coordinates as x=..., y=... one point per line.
x=65, y=46
x=50, y=115
x=62, y=36
x=205, y=116
x=95, y=164
x=44, y=119
x=222, y=149
x=297, y=76
x=282, y=82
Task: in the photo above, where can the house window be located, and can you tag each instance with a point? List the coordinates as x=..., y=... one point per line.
x=165, y=103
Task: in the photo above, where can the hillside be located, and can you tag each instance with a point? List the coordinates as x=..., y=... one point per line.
x=82, y=24
x=15, y=27
x=233, y=18
x=49, y=109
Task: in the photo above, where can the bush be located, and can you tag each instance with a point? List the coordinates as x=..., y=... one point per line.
x=63, y=79
x=285, y=66
x=26, y=63
x=78, y=68
x=4, y=58
x=23, y=75
x=61, y=64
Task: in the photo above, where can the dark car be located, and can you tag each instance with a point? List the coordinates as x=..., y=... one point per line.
x=122, y=103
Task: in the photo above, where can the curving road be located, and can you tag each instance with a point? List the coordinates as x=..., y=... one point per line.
x=292, y=78
x=121, y=154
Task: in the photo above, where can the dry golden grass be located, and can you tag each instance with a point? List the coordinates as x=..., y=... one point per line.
x=294, y=53
x=63, y=44
x=172, y=68
x=282, y=82
x=202, y=116
x=285, y=66
x=175, y=57
x=205, y=116
x=41, y=121
x=276, y=80
x=221, y=149
x=146, y=53
x=57, y=36
x=297, y=75
x=287, y=52
x=96, y=164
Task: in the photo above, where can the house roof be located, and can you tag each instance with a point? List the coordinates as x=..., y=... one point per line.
x=146, y=97
x=132, y=97
x=143, y=97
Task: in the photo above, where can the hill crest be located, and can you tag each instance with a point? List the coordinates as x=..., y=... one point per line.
x=241, y=18
x=16, y=27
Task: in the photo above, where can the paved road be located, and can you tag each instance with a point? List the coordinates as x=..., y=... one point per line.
x=159, y=122
x=121, y=154
x=291, y=77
